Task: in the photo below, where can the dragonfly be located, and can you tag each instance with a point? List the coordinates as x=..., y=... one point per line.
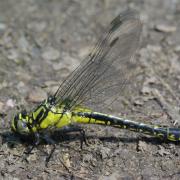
x=99, y=80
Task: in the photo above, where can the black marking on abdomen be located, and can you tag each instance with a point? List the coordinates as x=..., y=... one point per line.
x=120, y=123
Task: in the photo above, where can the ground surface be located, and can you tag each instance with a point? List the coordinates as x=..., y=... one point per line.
x=43, y=41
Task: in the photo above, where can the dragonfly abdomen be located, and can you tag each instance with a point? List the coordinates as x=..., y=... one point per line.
x=172, y=134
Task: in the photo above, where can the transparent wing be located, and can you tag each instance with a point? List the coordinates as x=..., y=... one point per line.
x=102, y=76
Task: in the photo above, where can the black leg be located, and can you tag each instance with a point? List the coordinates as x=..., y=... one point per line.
x=52, y=142
x=83, y=137
x=35, y=144
x=73, y=128
x=49, y=141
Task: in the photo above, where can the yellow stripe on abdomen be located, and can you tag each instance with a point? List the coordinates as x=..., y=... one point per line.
x=87, y=120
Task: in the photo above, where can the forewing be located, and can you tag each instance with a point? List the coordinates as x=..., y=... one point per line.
x=102, y=76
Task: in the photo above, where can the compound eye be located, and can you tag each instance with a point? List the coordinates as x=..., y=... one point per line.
x=22, y=125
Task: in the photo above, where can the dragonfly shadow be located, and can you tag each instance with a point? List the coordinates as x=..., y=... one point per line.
x=62, y=137
x=149, y=140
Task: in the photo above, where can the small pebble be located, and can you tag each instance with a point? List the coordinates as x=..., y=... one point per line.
x=37, y=26
x=2, y=26
x=10, y=103
x=177, y=49
x=162, y=151
x=165, y=28
x=67, y=160
x=50, y=83
x=23, y=44
x=68, y=64
x=84, y=51
x=146, y=90
x=142, y=146
x=50, y=54
x=13, y=55
x=37, y=95
x=105, y=152
x=138, y=102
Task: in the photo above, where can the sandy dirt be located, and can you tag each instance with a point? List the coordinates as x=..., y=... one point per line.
x=42, y=41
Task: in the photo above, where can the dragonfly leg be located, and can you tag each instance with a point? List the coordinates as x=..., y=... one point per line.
x=49, y=140
x=35, y=144
x=74, y=128
x=83, y=137
x=52, y=142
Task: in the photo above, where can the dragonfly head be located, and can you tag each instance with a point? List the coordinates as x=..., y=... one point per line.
x=20, y=123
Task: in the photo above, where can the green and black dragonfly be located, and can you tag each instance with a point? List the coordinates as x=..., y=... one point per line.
x=97, y=81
